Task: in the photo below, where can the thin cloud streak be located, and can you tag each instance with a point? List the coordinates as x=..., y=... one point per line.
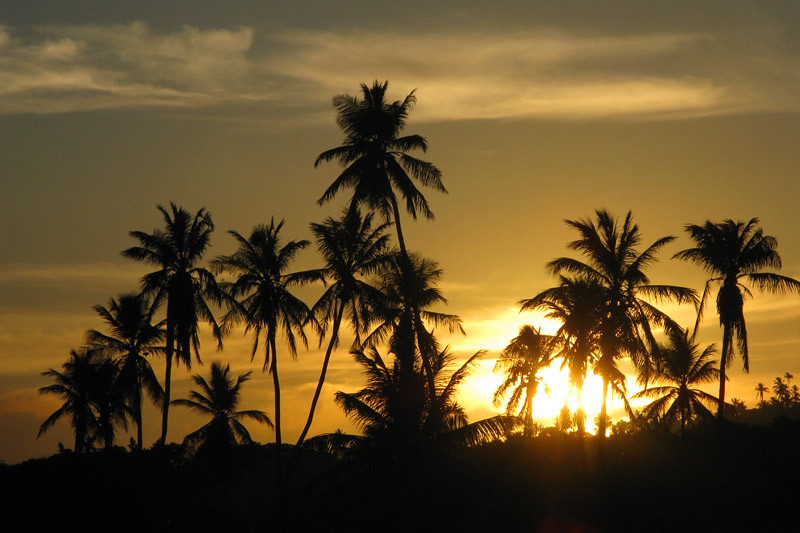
x=541, y=74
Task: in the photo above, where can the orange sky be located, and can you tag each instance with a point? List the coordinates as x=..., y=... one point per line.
x=533, y=115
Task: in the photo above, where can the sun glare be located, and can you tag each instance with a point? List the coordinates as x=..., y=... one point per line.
x=553, y=392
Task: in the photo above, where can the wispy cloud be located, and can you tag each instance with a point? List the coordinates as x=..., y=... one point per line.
x=61, y=69
x=545, y=74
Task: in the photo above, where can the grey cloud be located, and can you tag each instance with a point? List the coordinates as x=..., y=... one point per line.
x=536, y=74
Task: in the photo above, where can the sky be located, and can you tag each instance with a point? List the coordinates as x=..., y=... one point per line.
x=535, y=112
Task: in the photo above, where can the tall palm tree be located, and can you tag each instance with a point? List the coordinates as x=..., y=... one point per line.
x=179, y=282
x=578, y=304
x=526, y=354
x=131, y=338
x=682, y=367
x=614, y=263
x=263, y=301
x=219, y=398
x=74, y=385
x=760, y=390
x=352, y=248
x=375, y=156
x=733, y=253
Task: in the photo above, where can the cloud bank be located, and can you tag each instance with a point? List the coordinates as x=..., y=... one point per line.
x=538, y=74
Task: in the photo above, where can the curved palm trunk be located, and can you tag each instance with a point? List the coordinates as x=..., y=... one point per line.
x=137, y=413
x=277, y=386
x=334, y=337
x=400, y=240
x=726, y=343
x=167, y=383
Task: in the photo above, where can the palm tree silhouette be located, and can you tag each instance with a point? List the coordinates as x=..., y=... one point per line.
x=681, y=367
x=352, y=248
x=262, y=300
x=409, y=291
x=86, y=384
x=577, y=302
x=760, y=390
x=526, y=354
x=733, y=252
x=614, y=264
x=179, y=283
x=375, y=156
x=396, y=416
x=219, y=398
x=131, y=338
x=73, y=384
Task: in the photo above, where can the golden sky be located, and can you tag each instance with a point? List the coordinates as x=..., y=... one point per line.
x=534, y=114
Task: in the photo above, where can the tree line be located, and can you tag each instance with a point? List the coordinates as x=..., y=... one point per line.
x=387, y=296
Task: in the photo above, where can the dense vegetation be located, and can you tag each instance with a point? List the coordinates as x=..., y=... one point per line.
x=416, y=449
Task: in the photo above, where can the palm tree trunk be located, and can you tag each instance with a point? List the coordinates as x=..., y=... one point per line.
x=277, y=386
x=529, y=394
x=334, y=338
x=400, y=240
x=601, y=426
x=137, y=407
x=726, y=342
x=167, y=384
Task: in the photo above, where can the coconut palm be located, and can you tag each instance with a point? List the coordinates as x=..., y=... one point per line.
x=179, y=282
x=375, y=157
x=108, y=400
x=520, y=361
x=733, y=253
x=396, y=417
x=263, y=302
x=409, y=292
x=73, y=384
x=614, y=263
x=352, y=248
x=86, y=384
x=219, y=398
x=760, y=390
x=130, y=339
x=682, y=367
x=577, y=303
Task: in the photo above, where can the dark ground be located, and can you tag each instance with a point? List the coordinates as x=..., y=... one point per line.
x=739, y=478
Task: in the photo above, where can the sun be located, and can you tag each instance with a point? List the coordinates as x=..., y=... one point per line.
x=553, y=392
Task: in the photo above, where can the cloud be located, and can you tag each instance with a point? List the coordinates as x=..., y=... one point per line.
x=62, y=69
x=460, y=75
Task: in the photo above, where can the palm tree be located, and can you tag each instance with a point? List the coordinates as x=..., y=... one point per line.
x=131, y=338
x=375, y=156
x=74, y=385
x=181, y=283
x=90, y=398
x=219, y=397
x=760, y=390
x=525, y=355
x=731, y=253
x=409, y=291
x=352, y=248
x=263, y=301
x=396, y=417
x=681, y=368
x=578, y=304
x=613, y=262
